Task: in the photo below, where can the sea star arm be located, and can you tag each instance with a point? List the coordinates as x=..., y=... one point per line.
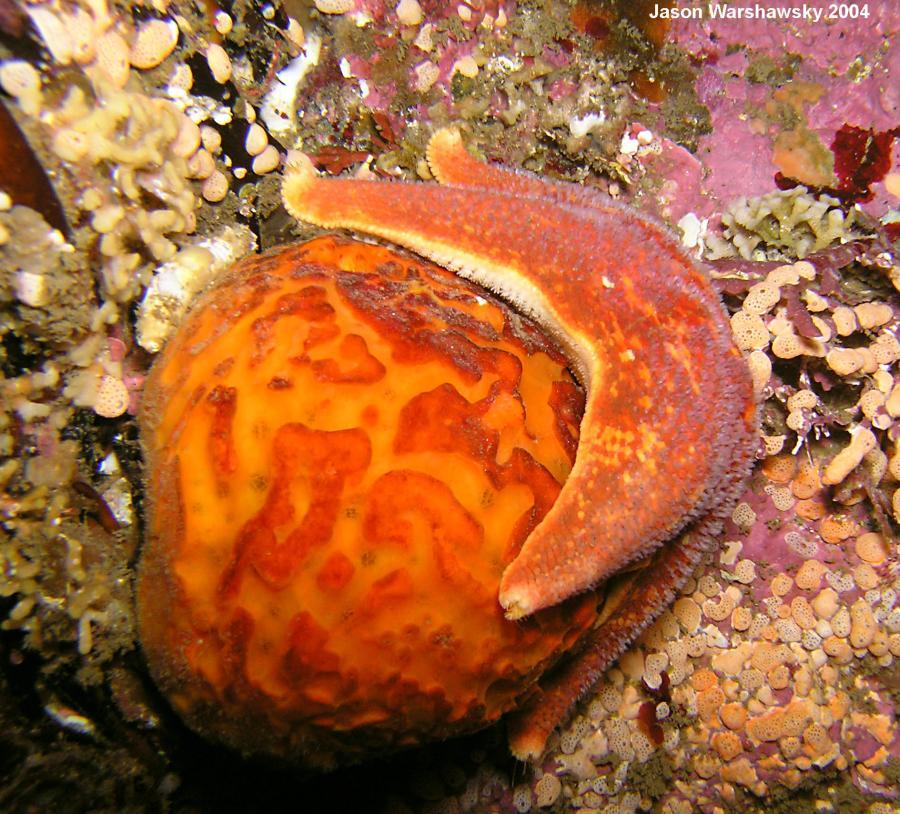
x=644, y=330
x=451, y=163
x=643, y=594
x=630, y=608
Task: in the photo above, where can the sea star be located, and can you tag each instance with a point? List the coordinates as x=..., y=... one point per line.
x=670, y=424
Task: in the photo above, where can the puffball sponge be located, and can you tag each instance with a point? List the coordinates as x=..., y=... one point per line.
x=345, y=446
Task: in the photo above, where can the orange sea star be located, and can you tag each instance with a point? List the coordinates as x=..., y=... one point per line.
x=670, y=424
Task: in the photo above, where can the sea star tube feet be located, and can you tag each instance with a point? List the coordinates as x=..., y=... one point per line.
x=641, y=324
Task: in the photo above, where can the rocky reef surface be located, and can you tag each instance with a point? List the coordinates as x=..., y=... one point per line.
x=142, y=145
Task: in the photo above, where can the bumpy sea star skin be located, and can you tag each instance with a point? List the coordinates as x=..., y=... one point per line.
x=669, y=427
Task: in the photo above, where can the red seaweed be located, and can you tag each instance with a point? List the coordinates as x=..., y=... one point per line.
x=861, y=158
x=22, y=175
x=334, y=160
x=105, y=516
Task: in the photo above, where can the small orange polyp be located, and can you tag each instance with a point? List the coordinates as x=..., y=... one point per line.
x=346, y=446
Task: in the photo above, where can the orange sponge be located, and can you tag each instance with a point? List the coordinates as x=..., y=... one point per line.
x=345, y=447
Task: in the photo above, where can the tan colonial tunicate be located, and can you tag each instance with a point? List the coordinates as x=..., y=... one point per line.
x=885, y=349
x=802, y=613
x=780, y=324
x=783, y=275
x=743, y=516
x=741, y=618
x=222, y=22
x=781, y=583
x=823, y=327
x=211, y=138
x=256, y=140
x=805, y=269
x=761, y=298
x=862, y=440
x=295, y=32
x=427, y=73
x=782, y=497
x=547, y=790
x=836, y=528
x=20, y=80
x=870, y=363
x=840, y=623
x=774, y=443
x=815, y=303
x=844, y=320
x=844, y=361
x=862, y=625
x=215, y=188
x=811, y=509
x=789, y=345
x=334, y=6
x=219, y=63
x=802, y=399
x=70, y=144
x=749, y=330
x=466, y=65
x=780, y=468
x=838, y=649
x=201, y=165
x=871, y=548
x=409, y=12
x=182, y=77
x=870, y=401
x=875, y=464
x=155, y=40
x=112, y=397
x=106, y=218
x=826, y=603
x=187, y=140
x=892, y=404
x=760, y=370
x=114, y=58
x=53, y=32
x=865, y=576
x=727, y=745
x=873, y=314
x=816, y=737
x=266, y=161
x=82, y=34
x=745, y=571
x=794, y=421
x=806, y=482
x=894, y=461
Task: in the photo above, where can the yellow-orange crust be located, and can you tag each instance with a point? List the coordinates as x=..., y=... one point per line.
x=345, y=447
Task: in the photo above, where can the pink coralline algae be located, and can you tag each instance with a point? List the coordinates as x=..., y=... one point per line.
x=840, y=67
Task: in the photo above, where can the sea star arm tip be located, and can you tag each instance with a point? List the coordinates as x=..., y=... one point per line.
x=299, y=177
x=516, y=604
x=444, y=148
